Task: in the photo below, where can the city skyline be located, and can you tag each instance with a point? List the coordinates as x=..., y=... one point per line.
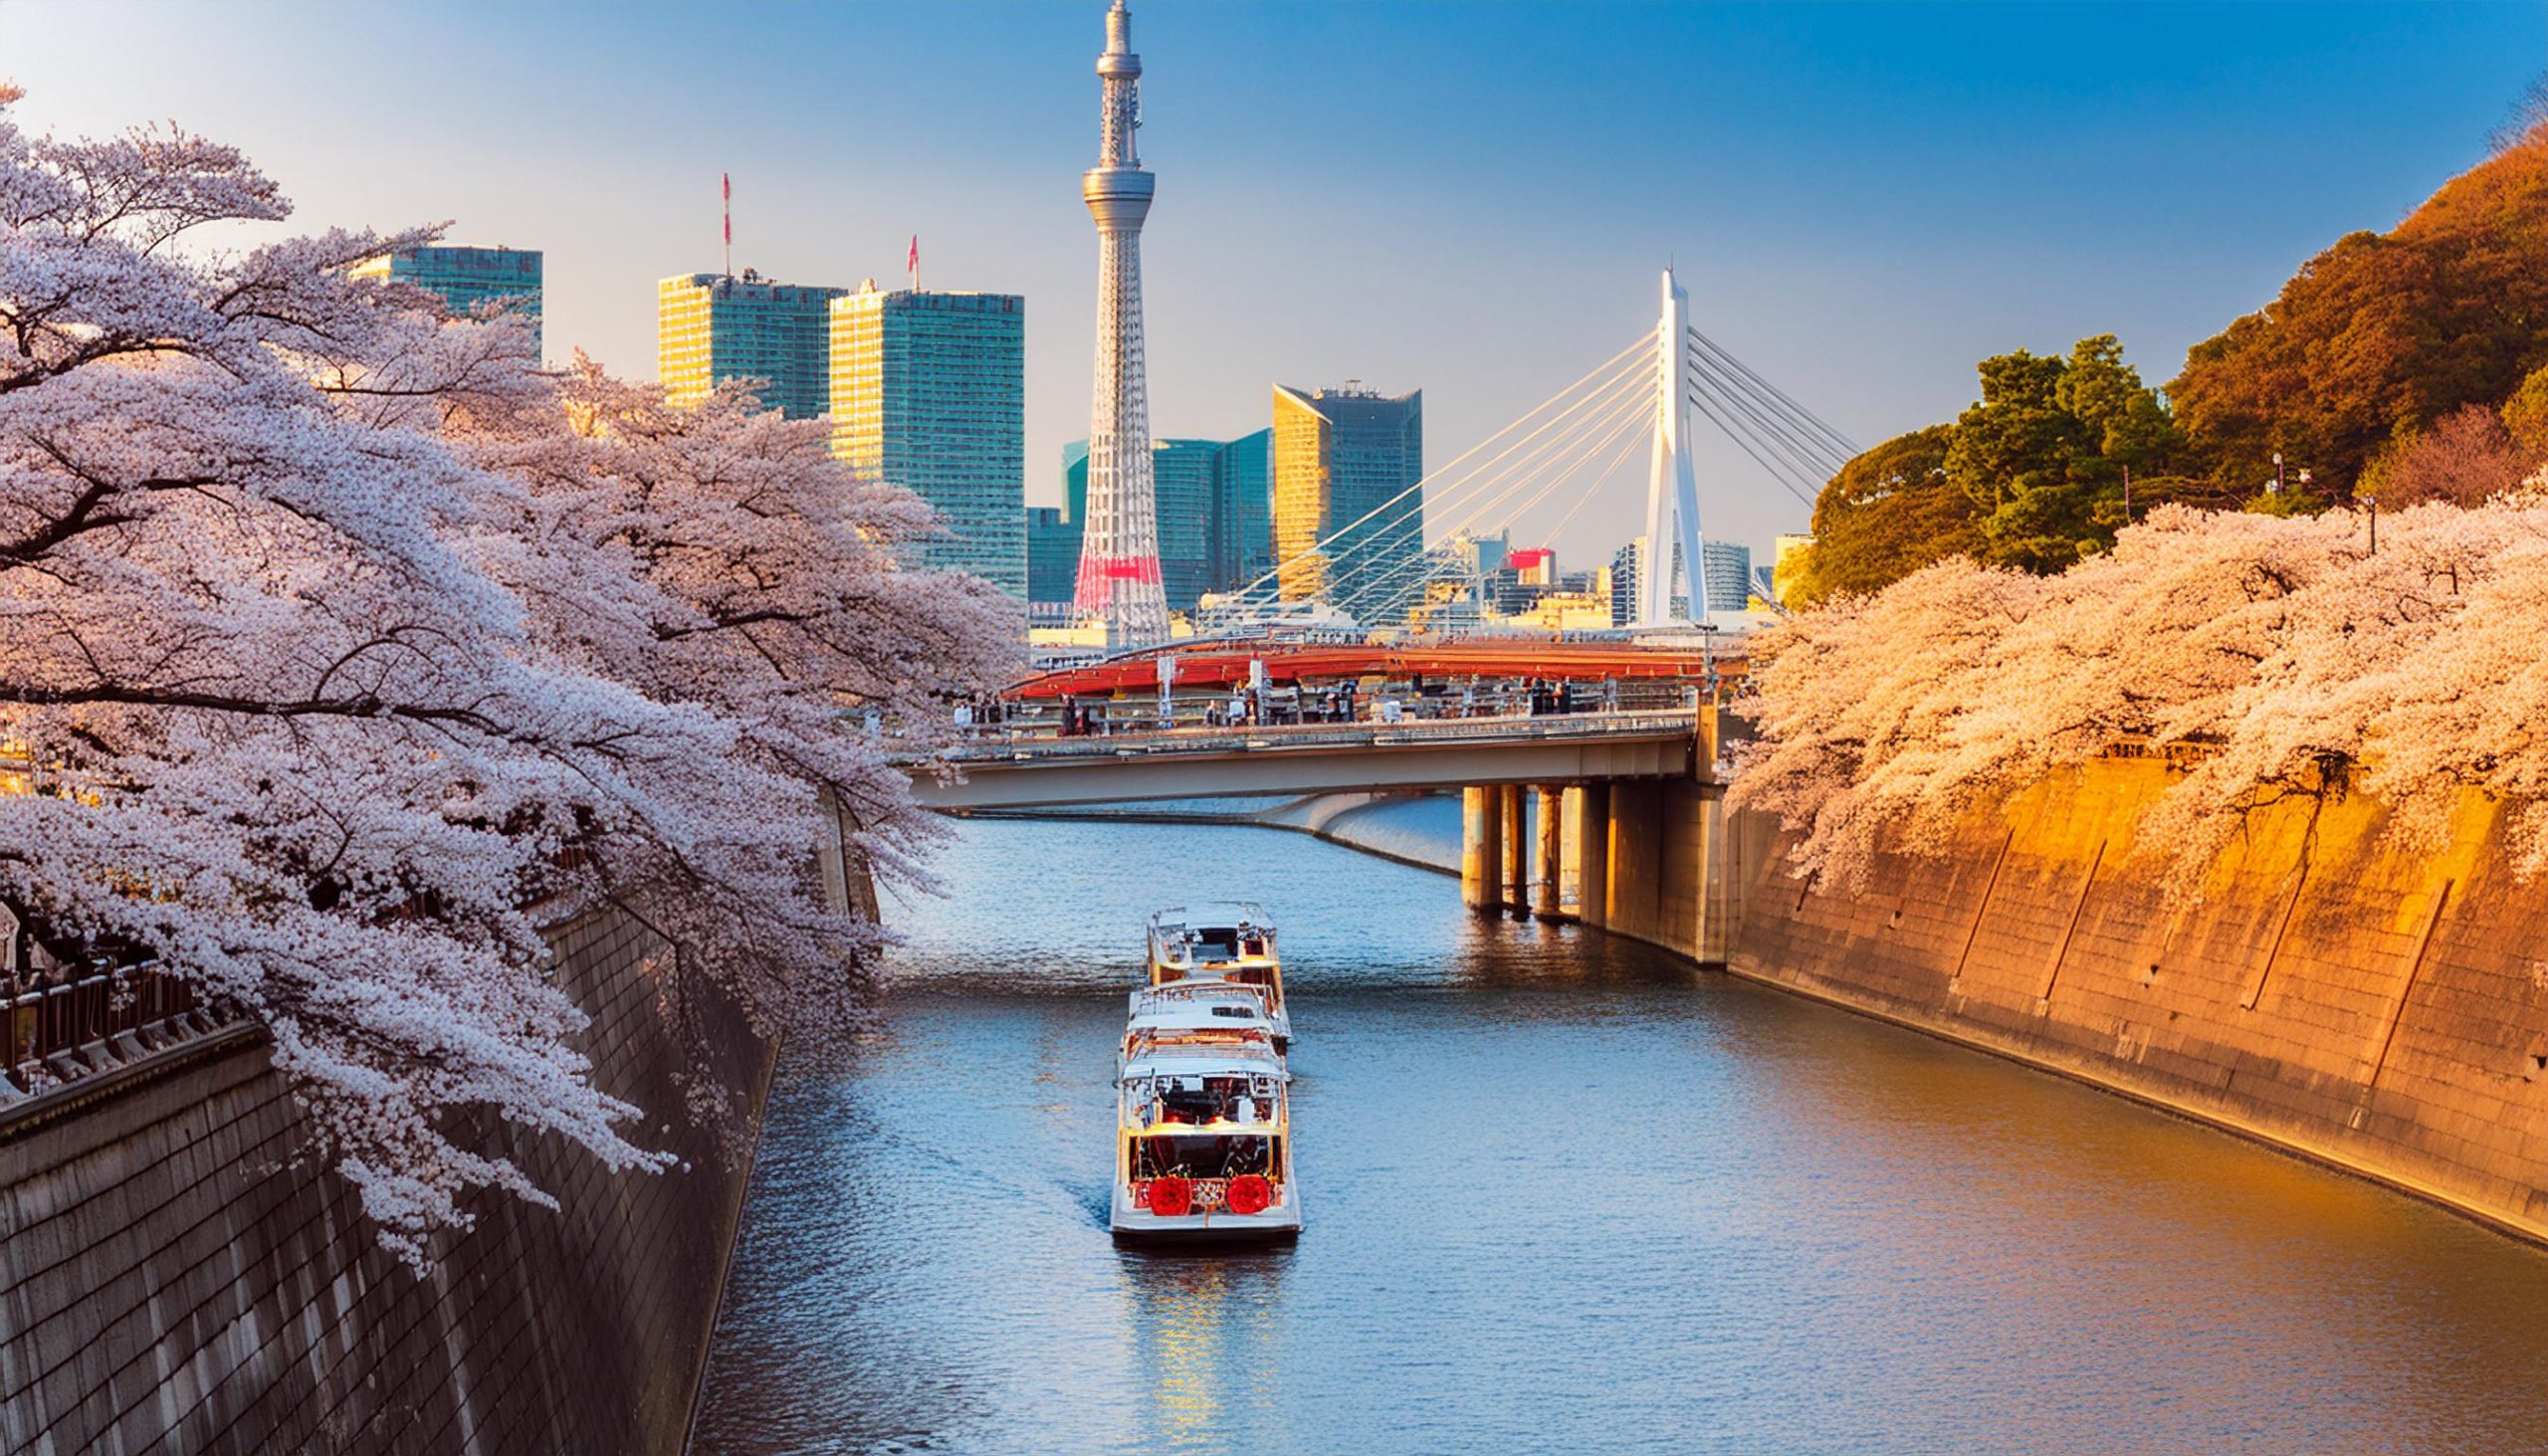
x=2012, y=204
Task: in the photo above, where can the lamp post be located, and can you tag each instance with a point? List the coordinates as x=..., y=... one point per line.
x=2373, y=502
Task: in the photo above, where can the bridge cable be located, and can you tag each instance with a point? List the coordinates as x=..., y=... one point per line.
x=1605, y=371
x=1806, y=448
x=1841, y=440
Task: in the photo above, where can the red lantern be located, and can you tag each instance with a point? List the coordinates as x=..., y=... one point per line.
x=1248, y=1193
x=1172, y=1197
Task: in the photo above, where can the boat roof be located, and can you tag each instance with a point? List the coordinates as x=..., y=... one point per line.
x=1220, y=1061
x=1213, y=913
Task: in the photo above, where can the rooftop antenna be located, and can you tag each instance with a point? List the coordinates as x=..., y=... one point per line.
x=727, y=181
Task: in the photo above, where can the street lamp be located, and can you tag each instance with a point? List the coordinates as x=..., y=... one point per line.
x=2373, y=502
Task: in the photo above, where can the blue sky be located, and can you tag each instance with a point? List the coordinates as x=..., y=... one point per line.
x=1468, y=198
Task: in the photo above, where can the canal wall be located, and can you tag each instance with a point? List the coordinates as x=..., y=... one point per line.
x=175, y=1276
x=2378, y=1007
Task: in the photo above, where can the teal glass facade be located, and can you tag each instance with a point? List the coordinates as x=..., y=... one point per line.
x=929, y=393
x=464, y=276
x=1052, y=558
x=710, y=328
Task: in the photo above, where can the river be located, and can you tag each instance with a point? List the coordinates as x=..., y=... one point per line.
x=1564, y=1193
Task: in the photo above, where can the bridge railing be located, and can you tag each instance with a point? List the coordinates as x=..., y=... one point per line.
x=997, y=745
x=1288, y=710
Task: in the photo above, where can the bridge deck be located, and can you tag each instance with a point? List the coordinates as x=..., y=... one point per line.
x=1184, y=763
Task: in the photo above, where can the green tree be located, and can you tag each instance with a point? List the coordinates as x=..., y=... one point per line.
x=2047, y=451
x=1887, y=514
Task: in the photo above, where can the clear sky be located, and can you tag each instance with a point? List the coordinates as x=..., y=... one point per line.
x=1472, y=199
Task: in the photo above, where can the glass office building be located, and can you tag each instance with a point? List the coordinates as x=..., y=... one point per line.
x=463, y=278
x=711, y=328
x=929, y=393
x=1052, y=558
x=1340, y=455
x=1726, y=571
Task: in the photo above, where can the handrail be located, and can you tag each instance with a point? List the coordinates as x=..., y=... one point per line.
x=52, y=1034
x=1412, y=732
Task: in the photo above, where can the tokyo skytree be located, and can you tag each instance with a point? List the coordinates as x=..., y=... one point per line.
x=1118, y=578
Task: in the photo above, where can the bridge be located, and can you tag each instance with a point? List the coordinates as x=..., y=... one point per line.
x=1028, y=772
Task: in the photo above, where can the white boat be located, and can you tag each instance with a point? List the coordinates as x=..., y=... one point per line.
x=1202, y=1146
x=1228, y=940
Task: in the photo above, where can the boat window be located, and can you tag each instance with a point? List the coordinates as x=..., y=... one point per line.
x=1200, y=1100
x=1203, y=1157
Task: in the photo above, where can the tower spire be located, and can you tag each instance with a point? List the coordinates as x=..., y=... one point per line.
x=1118, y=583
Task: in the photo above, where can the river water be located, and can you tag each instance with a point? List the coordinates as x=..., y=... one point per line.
x=1563, y=1194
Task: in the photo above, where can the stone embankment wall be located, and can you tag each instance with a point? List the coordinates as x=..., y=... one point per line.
x=175, y=1277
x=2377, y=1007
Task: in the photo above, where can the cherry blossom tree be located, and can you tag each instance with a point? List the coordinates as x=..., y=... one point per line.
x=340, y=650
x=2285, y=655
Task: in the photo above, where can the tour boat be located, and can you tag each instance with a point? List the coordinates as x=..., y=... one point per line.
x=1228, y=940
x=1202, y=1145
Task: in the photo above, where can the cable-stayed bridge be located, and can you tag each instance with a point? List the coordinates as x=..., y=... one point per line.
x=1542, y=470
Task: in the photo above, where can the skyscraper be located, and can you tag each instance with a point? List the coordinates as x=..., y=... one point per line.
x=1052, y=558
x=929, y=393
x=710, y=328
x=1119, y=567
x=1725, y=572
x=1346, y=464
x=464, y=276
x=1242, y=511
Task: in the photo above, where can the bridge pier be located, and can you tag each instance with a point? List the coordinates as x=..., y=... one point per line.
x=1517, y=847
x=1482, y=847
x=1593, y=854
x=1548, y=864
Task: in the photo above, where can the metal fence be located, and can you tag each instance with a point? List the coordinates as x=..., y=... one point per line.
x=79, y=1015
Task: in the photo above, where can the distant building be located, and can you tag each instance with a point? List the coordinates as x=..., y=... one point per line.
x=1787, y=557
x=1052, y=558
x=463, y=278
x=1628, y=568
x=1340, y=455
x=710, y=328
x=928, y=391
x=1764, y=585
x=1725, y=576
x=1242, y=511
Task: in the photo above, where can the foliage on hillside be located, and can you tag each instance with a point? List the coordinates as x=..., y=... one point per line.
x=334, y=637
x=2408, y=366
x=2383, y=333
x=2299, y=660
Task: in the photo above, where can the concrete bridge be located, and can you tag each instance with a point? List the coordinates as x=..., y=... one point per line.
x=1041, y=772
x=1614, y=819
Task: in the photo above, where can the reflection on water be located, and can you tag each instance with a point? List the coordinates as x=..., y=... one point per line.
x=1563, y=1193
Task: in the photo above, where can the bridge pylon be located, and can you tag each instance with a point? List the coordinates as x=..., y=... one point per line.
x=1671, y=488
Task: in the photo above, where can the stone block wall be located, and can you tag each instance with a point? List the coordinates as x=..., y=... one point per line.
x=2381, y=1007
x=175, y=1277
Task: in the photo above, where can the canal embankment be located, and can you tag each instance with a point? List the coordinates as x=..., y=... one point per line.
x=178, y=1272
x=2375, y=1005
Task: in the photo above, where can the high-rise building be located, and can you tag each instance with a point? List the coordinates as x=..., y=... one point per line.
x=929, y=393
x=1347, y=463
x=1725, y=574
x=1627, y=577
x=1242, y=511
x=1052, y=558
x=1119, y=570
x=1215, y=511
x=711, y=328
x=1182, y=475
x=465, y=277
